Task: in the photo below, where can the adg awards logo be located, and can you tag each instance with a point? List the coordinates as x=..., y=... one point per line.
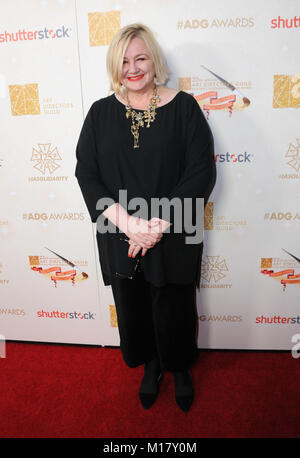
x=216, y=93
x=58, y=269
x=285, y=271
x=25, y=100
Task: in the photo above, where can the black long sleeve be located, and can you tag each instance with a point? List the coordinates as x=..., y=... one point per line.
x=87, y=168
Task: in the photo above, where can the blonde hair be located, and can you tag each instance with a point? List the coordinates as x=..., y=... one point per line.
x=118, y=46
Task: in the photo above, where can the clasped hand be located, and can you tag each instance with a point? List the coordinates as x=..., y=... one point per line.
x=144, y=234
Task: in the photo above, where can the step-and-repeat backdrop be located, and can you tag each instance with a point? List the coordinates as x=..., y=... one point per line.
x=240, y=60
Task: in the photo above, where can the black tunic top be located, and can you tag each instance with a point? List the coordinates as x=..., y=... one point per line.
x=175, y=158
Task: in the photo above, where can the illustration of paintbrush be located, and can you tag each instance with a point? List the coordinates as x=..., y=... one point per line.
x=230, y=86
x=69, y=262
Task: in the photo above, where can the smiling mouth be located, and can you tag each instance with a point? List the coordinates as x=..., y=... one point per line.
x=135, y=78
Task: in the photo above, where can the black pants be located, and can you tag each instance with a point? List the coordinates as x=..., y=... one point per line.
x=156, y=322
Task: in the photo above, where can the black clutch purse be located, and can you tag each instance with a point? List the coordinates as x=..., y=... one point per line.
x=123, y=265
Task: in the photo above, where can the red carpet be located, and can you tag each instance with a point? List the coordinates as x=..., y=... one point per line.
x=78, y=392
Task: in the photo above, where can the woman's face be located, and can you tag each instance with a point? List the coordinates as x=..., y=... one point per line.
x=138, y=68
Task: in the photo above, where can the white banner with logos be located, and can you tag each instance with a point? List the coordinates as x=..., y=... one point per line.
x=240, y=62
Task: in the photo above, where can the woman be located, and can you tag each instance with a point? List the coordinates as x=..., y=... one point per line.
x=153, y=142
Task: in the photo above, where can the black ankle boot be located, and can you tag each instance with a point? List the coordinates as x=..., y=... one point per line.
x=150, y=384
x=184, y=392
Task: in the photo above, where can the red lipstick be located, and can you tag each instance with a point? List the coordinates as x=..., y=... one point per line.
x=135, y=78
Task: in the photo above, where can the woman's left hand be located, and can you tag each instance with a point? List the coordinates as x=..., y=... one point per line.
x=158, y=225
x=134, y=249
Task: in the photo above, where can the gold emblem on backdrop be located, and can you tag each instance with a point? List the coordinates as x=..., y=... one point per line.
x=102, y=27
x=266, y=263
x=34, y=260
x=45, y=156
x=293, y=154
x=286, y=91
x=184, y=84
x=208, y=216
x=24, y=99
x=213, y=268
x=113, y=316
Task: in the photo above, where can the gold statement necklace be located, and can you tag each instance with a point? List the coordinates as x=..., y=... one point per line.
x=140, y=119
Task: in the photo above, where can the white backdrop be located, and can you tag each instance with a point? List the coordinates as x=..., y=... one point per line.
x=240, y=60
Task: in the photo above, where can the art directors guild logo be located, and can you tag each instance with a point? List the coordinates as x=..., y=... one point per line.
x=102, y=27
x=292, y=157
x=213, y=271
x=25, y=100
x=46, y=158
x=221, y=222
x=286, y=91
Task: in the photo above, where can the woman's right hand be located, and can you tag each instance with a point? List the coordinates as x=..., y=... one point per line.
x=142, y=232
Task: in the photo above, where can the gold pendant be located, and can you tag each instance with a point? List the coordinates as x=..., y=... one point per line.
x=135, y=134
x=139, y=118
